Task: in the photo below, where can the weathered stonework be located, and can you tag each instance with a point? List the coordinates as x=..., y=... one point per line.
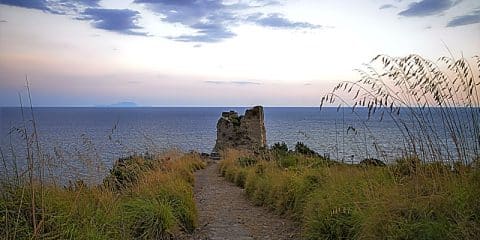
x=241, y=132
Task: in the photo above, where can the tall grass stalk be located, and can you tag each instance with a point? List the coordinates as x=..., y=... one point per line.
x=40, y=158
x=434, y=105
x=30, y=162
x=14, y=159
x=5, y=168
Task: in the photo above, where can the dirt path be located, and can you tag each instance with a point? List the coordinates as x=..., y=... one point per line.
x=225, y=213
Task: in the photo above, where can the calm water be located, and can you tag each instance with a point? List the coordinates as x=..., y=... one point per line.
x=73, y=138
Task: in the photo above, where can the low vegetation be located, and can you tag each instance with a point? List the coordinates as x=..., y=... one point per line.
x=406, y=200
x=143, y=197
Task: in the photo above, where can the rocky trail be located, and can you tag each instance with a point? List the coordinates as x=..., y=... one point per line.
x=225, y=213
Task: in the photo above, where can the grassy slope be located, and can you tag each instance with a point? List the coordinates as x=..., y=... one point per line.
x=409, y=200
x=156, y=201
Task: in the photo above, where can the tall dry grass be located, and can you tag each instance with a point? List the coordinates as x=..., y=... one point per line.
x=406, y=200
x=155, y=204
x=435, y=105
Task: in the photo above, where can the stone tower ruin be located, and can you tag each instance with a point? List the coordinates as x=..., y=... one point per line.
x=241, y=132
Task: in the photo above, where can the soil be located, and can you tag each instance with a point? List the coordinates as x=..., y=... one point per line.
x=225, y=212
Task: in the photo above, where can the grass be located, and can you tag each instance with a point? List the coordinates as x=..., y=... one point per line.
x=406, y=200
x=155, y=201
x=435, y=105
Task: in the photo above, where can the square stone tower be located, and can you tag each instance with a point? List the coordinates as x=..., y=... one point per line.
x=241, y=132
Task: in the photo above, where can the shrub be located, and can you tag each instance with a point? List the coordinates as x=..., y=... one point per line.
x=372, y=162
x=338, y=223
x=301, y=148
x=246, y=161
x=279, y=148
x=126, y=171
x=287, y=160
x=240, y=177
x=406, y=166
x=150, y=218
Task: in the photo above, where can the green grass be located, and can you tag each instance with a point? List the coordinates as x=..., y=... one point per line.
x=155, y=201
x=406, y=200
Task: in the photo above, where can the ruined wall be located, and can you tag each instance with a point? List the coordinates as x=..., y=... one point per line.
x=241, y=132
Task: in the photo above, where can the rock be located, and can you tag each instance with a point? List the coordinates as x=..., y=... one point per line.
x=372, y=162
x=215, y=156
x=241, y=132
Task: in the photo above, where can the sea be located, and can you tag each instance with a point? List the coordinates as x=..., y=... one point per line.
x=78, y=141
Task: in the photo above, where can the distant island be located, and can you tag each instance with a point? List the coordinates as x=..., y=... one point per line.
x=121, y=104
x=124, y=104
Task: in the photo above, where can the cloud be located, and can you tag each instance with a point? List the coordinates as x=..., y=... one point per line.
x=212, y=20
x=277, y=20
x=3, y=21
x=186, y=12
x=427, y=8
x=471, y=18
x=245, y=83
x=386, y=6
x=53, y=6
x=206, y=32
x=134, y=82
x=67, y=7
x=31, y=4
x=85, y=3
x=91, y=3
x=115, y=20
x=233, y=82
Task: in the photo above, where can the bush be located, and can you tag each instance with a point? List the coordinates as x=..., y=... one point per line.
x=246, y=161
x=406, y=166
x=279, y=148
x=240, y=177
x=150, y=218
x=372, y=162
x=338, y=223
x=177, y=192
x=126, y=171
x=301, y=148
x=286, y=161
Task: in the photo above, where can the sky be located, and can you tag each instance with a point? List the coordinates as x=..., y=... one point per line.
x=214, y=52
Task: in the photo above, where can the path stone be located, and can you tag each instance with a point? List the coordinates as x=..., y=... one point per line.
x=225, y=213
